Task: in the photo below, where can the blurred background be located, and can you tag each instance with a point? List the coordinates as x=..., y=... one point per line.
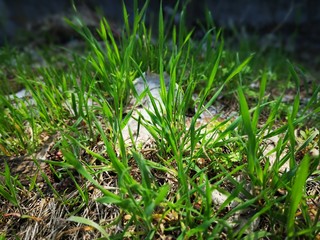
x=293, y=25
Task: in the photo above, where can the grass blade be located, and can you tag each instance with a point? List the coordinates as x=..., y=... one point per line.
x=89, y=223
x=297, y=192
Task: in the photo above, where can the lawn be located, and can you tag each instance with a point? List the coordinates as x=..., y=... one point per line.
x=157, y=135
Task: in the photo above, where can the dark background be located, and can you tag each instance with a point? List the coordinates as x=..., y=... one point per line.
x=283, y=18
x=262, y=14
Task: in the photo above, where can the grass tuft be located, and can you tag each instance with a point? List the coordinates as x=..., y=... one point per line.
x=222, y=155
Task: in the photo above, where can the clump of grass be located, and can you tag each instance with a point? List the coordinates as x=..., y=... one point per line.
x=166, y=189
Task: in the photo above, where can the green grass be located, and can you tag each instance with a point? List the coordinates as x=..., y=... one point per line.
x=103, y=188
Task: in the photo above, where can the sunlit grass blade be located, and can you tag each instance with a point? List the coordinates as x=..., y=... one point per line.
x=89, y=223
x=257, y=235
x=145, y=172
x=71, y=158
x=256, y=114
x=297, y=192
x=8, y=190
x=254, y=168
x=239, y=68
x=213, y=72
